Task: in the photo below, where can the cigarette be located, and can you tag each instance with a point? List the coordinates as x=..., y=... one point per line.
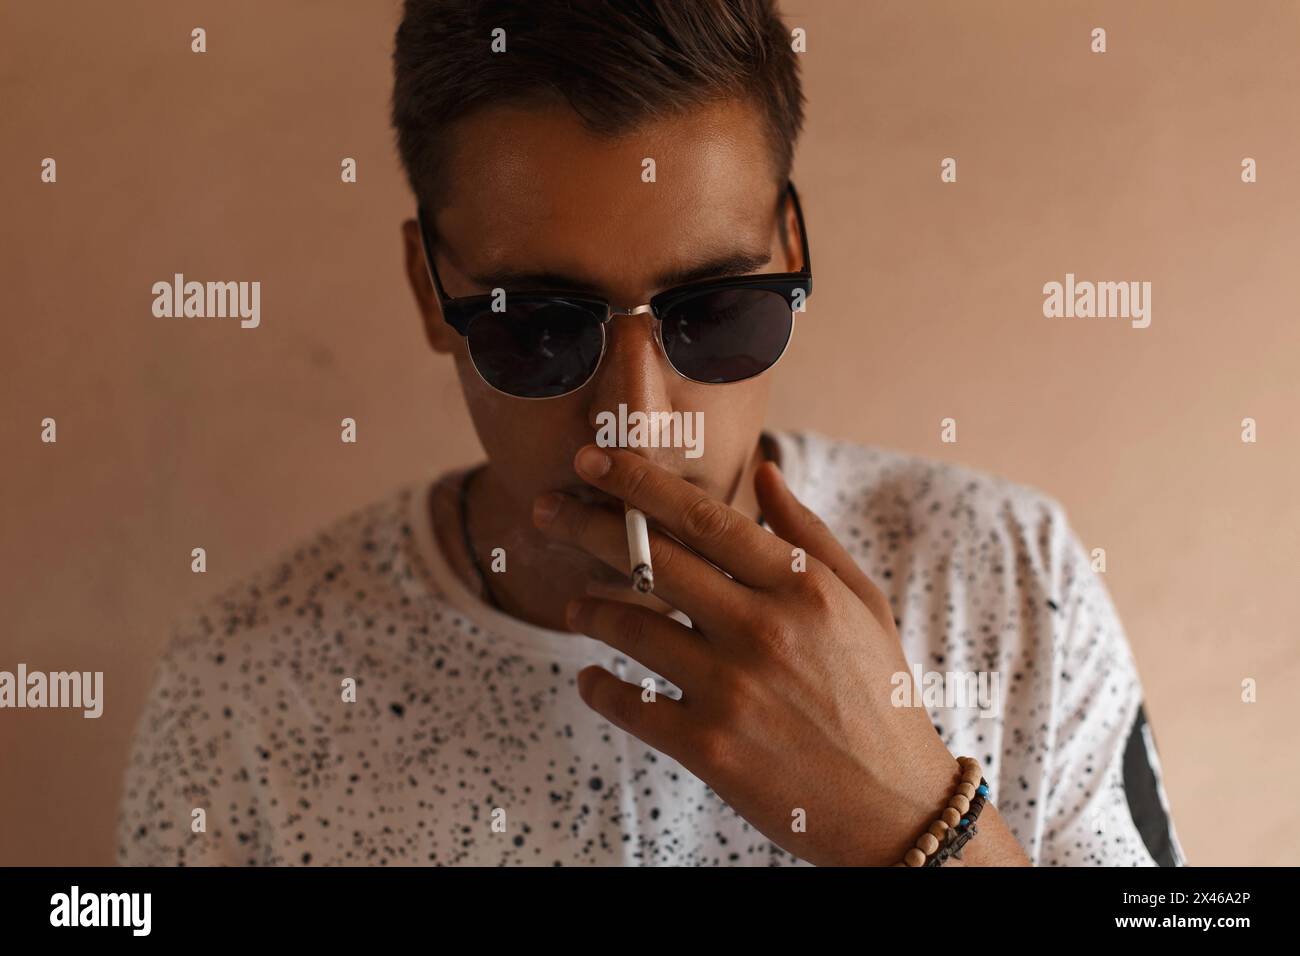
x=638, y=550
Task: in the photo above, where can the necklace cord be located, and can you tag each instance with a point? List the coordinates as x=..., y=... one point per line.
x=469, y=540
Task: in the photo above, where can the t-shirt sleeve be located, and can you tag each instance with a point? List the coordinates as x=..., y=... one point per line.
x=173, y=770
x=1106, y=804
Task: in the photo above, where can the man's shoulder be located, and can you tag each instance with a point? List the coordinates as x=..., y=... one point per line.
x=273, y=649
x=950, y=541
x=910, y=494
x=359, y=558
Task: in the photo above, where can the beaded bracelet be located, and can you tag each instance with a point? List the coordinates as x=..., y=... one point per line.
x=956, y=825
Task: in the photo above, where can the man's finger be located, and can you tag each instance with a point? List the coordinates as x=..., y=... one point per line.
x=682, y=578
x=715, y=530
x=663, y=723
x=798, y=524
x=659, y=643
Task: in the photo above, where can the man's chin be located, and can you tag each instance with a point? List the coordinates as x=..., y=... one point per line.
x=591, y=496
x=569, y=563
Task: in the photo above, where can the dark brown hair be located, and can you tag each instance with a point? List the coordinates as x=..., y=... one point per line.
x=617, y=63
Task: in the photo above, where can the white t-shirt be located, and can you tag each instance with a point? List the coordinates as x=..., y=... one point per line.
x=467, y=742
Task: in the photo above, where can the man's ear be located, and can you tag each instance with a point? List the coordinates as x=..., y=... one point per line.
x=793, y=241
x=438, y=332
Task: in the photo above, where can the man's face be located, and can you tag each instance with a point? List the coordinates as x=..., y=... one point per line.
x=533, y=194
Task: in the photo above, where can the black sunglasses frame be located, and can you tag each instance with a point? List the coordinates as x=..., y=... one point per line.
x=459, y=312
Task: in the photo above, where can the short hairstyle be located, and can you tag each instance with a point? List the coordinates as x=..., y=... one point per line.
x=617, y=63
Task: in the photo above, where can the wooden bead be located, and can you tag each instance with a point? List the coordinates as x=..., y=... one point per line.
x=972, y=775
x=950, y=817
x=965, y=762
x=939, y=829
x=967, y=790
x=959, y=803
x=914, y=857
x=927, y=843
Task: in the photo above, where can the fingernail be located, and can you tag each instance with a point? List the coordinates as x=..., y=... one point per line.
x=572, y=610
x=593, y=462
x=545, y=508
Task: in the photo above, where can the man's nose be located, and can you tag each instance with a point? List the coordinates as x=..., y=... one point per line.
x=633, y=372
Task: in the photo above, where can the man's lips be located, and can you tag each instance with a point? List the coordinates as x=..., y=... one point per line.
x=590, y=495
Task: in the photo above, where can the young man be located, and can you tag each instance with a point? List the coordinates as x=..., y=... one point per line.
x=459, y=674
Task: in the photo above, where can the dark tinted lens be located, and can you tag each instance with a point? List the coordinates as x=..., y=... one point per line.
x=728, y=335
x=535, y=349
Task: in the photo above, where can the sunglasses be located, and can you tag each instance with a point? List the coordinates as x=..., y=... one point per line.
x=544, y=344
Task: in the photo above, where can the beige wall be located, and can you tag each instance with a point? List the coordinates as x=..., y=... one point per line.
x=226, y=165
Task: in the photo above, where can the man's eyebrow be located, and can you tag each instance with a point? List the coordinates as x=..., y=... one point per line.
x=737, y=263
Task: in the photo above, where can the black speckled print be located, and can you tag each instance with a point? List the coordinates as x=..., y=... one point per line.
x=468, y=743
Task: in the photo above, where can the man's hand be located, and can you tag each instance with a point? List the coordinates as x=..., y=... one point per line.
x=786, y=675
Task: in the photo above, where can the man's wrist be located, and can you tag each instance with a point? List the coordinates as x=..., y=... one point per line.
x=906, y=814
